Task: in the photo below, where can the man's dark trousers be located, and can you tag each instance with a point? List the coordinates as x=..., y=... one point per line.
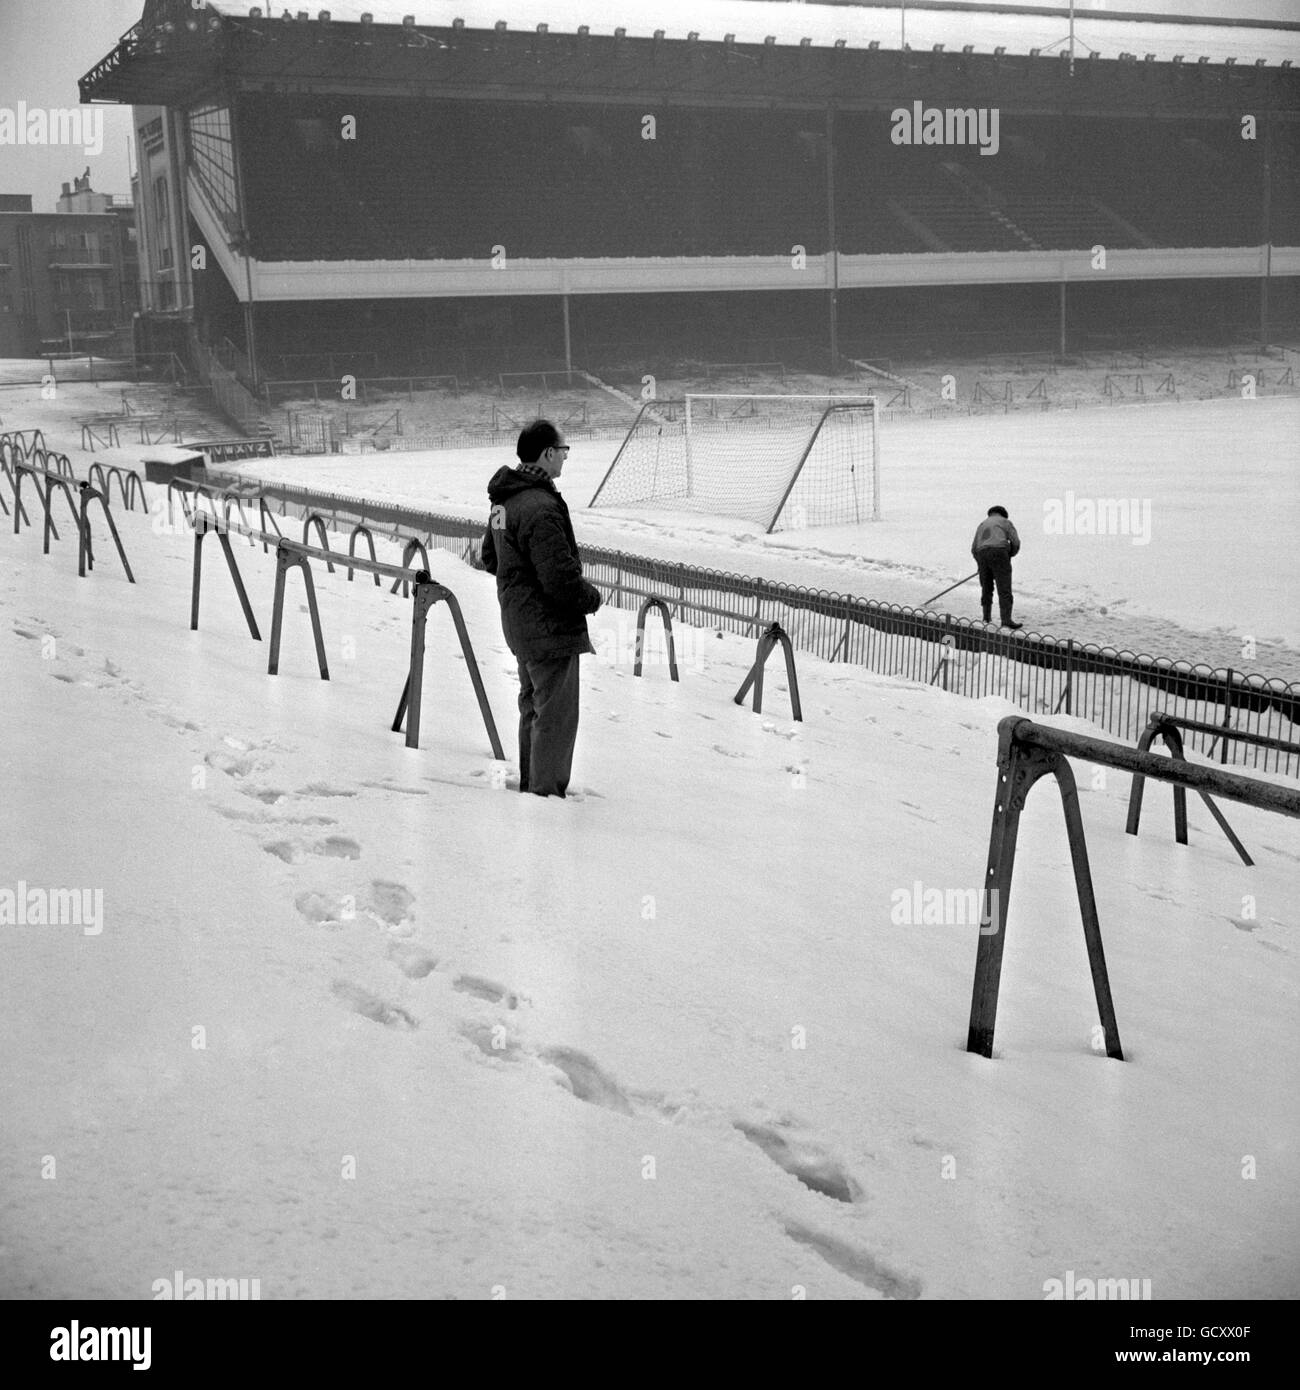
x=548, y=724
x=995, y=568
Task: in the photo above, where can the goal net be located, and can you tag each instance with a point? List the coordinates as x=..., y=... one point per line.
x=784, y=462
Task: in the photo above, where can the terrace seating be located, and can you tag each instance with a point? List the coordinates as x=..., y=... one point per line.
x=452, y=180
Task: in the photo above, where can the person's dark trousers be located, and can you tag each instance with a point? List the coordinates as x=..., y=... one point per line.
x=995, y=568
x=548, y=724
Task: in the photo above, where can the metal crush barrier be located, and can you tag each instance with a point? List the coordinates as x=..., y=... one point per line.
x=1028, y=751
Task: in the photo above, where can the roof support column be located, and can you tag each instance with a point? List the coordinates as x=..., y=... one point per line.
x=832, y=244
x=1061, y=346
x=1266, y=229
x=245, y=242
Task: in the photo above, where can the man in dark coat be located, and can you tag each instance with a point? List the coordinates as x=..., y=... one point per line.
x=530, y=547
x=995, y=543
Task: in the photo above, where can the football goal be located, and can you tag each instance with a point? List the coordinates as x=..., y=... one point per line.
x=784, y=462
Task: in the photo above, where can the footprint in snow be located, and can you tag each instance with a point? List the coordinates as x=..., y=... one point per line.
x=391, y=903
x=485, y=989
x=856, y=1263
x=491, y=1039
x=586, y=1079
x=319, y=910
x=804, y=1158
x=371, y=1006
x=413, y=961
x=332, y=847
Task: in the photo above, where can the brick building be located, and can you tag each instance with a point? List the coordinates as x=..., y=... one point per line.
x=69, y=274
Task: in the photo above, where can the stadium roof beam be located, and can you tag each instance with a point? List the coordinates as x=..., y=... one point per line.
x=171, y=66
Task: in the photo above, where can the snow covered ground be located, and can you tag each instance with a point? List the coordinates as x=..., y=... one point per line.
x=358, y=1024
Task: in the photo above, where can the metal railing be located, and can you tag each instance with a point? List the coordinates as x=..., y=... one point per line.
x=1026, y=752
x=1117, y=690
x=79, y=507
x=294, y=555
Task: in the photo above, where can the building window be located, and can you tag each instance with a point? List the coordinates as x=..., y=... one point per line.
x=212, y=154
x=162, y=222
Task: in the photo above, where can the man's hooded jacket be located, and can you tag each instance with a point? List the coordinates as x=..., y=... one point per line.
x=530, y=547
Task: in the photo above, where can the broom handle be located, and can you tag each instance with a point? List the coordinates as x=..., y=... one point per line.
x=950, y=588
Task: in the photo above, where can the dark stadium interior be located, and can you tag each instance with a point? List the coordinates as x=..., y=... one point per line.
x=448, y=180
x=624, y=335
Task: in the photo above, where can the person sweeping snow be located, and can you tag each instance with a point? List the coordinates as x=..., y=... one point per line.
x=996, y=543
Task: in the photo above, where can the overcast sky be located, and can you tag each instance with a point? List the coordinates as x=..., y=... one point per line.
x=46, y=45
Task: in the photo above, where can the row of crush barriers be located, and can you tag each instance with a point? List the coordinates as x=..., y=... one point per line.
x=1027, y=750
x=128, y=482
x=208, y=511
x=215, y=504
x=31, y=447
x=24, y=453
x=1117, y=690
x=215, y=516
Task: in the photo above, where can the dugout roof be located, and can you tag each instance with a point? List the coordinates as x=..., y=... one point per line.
x=739, y=52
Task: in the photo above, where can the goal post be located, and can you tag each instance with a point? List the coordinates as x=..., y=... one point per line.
x=781, y=461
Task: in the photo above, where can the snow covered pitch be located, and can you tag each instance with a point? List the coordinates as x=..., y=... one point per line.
x=1169, y=529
